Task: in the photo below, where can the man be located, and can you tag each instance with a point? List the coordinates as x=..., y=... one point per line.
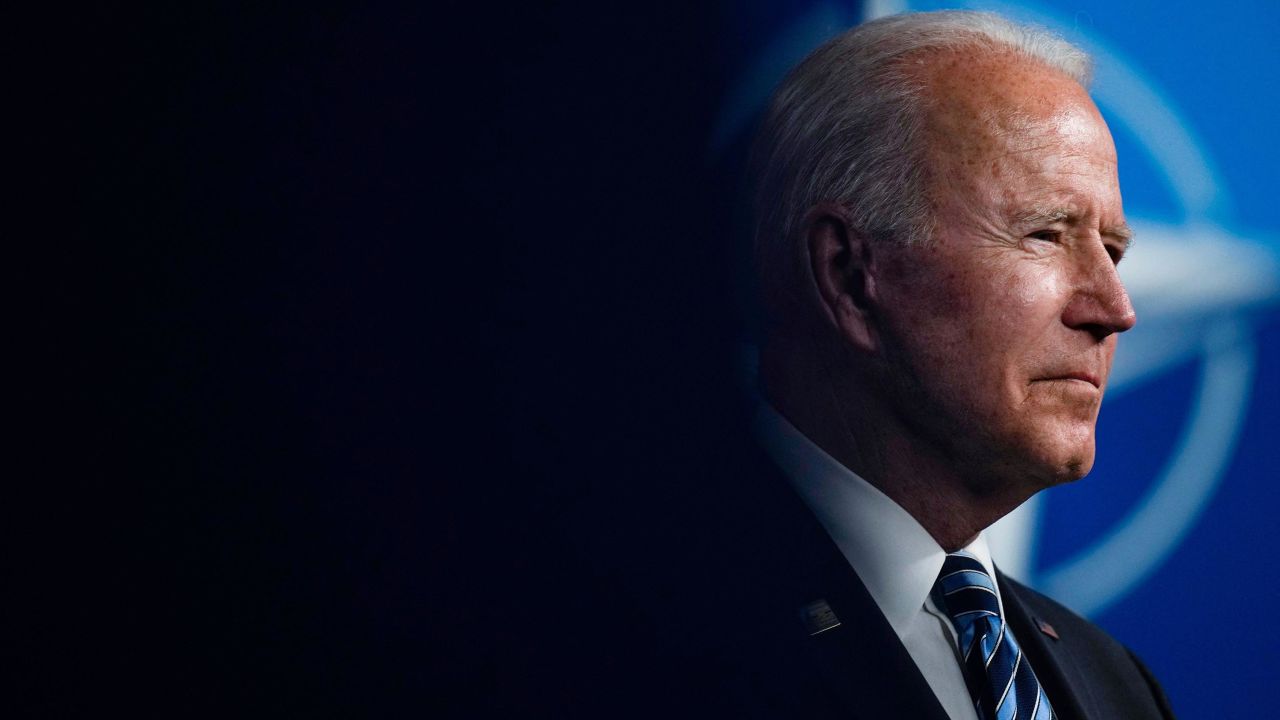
x=939, y=224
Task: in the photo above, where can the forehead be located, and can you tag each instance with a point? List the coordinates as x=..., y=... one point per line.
x=982, y=104
x=1013, y=134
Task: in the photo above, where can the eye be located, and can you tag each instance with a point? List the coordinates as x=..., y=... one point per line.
x=1046, y=235
x=1116, y=252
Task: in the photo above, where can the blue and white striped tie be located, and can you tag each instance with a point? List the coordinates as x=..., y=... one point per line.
x=1001, y=682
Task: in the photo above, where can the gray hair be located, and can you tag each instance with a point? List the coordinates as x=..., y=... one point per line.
x=846, y=126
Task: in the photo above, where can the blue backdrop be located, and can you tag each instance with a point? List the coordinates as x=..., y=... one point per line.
x=1167, y=543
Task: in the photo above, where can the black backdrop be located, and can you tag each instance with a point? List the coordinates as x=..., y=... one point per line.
x=372, y=347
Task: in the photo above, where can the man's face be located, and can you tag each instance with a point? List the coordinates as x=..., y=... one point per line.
x=1000, y=333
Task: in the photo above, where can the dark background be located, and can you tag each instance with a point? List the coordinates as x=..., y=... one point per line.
x=370, y=349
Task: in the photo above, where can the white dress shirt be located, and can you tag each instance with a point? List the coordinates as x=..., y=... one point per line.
x=896, y=558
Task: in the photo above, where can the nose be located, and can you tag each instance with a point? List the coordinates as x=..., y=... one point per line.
x=1100, y=305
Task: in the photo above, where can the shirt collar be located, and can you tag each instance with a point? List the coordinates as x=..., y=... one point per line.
x=895, y=557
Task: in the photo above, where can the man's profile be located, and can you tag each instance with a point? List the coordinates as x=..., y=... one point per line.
x=939, y=221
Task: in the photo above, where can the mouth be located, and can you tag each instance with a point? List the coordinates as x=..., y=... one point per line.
x=1077, y=376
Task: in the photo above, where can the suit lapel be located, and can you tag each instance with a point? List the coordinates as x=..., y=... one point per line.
x=860, y=660
x=864, y=660
x=1047, y=654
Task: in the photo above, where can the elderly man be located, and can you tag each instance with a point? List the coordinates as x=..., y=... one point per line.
x=939, y=225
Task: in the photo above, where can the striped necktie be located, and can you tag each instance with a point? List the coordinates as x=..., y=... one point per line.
x=1000, y=679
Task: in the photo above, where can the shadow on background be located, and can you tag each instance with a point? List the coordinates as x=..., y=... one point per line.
x=378, y=347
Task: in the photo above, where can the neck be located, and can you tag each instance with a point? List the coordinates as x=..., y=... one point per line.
x=942, y=492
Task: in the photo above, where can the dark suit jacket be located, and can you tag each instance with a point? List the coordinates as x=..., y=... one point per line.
x=752, y=655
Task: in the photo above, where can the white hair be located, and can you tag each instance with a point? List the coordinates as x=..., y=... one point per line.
x=846, y=127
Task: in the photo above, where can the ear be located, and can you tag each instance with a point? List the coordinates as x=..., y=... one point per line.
x=843, y=271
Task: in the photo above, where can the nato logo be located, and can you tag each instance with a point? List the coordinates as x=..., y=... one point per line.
x=1195, y=282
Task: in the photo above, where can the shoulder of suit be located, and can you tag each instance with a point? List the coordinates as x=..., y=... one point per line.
x=1065, y=620
x=1077, y=636
x=1093, y=658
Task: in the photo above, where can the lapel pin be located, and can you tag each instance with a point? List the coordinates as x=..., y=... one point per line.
x=1047, y=629
x=818, y=617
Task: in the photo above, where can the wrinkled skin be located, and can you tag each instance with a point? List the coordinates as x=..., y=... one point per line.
x=998, y=335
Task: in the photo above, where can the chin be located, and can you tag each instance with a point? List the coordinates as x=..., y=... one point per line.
x=1022, y=474
x=1075, y=471
x=1070, y=467
x=1039, y=467
x=1065, y=453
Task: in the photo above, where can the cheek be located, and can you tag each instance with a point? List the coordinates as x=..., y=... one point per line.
x=1012, y=331
x=1026, y=307
x=981, y=326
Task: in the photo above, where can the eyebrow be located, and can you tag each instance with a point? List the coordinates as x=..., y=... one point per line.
x=1041, y=215
x=1121, y=232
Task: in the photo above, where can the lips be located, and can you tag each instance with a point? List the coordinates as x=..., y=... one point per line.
x=1083, y=376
